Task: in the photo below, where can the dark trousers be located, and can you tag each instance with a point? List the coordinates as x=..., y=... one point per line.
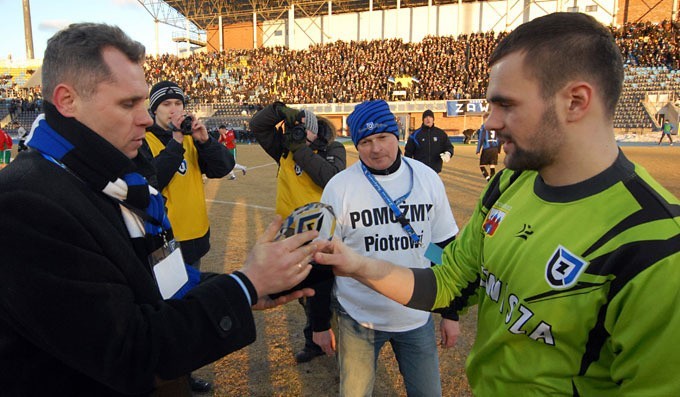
x=307, y=331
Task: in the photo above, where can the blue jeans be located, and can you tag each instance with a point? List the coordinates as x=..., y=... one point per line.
x=359, y=348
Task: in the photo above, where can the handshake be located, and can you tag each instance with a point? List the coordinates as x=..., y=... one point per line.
x=446, y=156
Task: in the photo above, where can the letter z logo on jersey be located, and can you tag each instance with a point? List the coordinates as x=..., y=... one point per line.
x=564, y=268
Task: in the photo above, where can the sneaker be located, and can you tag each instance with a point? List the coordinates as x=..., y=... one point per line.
x=244, y=170
x=306, y=355
x=232, y=177
x=199, y=385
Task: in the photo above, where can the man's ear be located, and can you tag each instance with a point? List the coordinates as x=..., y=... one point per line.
x=579, y=97
x=65, y=99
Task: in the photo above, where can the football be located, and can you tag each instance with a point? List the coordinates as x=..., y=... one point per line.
x=312, y=216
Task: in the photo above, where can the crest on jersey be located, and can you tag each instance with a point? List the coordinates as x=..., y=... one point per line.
x=564, y=268
x=183, y=167
x=313, y=216
x=492, y=221
x=298, y=170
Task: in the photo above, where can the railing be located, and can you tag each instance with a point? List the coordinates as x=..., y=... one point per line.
x=396, y=107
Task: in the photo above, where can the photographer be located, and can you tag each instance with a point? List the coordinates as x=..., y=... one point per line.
x=304, y=146
x=181, y=150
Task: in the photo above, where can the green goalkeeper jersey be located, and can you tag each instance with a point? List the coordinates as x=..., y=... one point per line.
x=578, y=287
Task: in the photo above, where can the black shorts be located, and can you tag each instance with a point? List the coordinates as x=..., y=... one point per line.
x=489, y=156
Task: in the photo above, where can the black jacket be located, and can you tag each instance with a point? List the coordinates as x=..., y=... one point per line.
x=214, y=160
x=80, y=312
x=426, y=144
x=321, y=161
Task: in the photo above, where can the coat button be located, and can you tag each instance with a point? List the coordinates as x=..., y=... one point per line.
x=225, y=323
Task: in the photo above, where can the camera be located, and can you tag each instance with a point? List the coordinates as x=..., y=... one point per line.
x=185, y=127
x=298, y=133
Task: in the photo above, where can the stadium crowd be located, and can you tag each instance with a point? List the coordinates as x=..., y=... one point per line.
x=437, y=68
x=649, y=44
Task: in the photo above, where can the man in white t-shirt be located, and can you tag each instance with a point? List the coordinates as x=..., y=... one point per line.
x=393, y=208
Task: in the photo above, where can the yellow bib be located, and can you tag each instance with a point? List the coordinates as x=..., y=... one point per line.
x=185, y=196
x=294, y=187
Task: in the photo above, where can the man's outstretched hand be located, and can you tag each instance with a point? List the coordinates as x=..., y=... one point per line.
x=275, y=266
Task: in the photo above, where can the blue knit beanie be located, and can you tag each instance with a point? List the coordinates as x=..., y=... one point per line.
x=369, y=118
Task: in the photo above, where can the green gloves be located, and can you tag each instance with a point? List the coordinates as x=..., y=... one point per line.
x=292, y=116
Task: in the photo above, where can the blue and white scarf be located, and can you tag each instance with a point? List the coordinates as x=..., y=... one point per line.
x=98, y=164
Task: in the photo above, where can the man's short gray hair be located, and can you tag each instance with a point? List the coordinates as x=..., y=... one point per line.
x=74, y=55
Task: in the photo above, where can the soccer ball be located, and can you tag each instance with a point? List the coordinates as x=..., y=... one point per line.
x=312, y=216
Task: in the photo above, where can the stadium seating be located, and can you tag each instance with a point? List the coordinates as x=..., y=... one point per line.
x=437, y=68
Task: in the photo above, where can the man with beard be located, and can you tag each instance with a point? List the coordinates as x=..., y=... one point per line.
x=573, y=251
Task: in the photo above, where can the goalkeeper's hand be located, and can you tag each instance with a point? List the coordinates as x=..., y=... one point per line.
x=446, y=156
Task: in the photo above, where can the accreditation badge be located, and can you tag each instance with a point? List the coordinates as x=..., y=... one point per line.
x=434, y=253
x=168, y=268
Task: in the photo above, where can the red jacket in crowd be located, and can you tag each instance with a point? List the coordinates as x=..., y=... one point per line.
x=228, y=139
x=5, y=140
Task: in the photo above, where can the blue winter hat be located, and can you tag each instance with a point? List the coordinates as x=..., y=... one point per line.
x=369, y=118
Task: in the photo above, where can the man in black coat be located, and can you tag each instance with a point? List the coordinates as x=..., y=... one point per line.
x=429, y=144
x=92, y=293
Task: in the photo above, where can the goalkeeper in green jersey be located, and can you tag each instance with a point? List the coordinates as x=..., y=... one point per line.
x=572, y=254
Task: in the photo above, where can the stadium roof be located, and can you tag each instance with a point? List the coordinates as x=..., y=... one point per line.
x=204, y=13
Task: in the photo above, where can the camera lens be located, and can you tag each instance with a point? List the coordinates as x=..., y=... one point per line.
x=185, y=127
x=298, y=133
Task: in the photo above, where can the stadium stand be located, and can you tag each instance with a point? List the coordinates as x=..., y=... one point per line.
x=338, y=72
x=228, y=86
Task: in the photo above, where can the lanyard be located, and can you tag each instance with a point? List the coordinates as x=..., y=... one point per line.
x=393, y=204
